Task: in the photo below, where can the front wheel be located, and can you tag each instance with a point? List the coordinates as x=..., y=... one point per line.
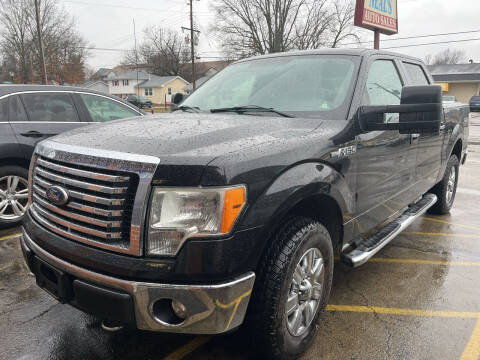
x=292, y=289
x=13, y=195
x=447, y=188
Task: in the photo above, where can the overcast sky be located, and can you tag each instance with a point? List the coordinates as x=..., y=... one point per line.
x=109, y=24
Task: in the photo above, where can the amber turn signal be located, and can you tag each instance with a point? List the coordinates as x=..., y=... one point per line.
x=235, y=200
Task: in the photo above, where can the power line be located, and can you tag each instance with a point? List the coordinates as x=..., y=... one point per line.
x=432, y=43
x=121, y=6
x=392, y=47
x=418, y=37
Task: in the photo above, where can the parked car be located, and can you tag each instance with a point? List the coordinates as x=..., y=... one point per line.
x=448, y=99
x=244, y=196
x=139, y=101
x=474, y=103
x=31, y=113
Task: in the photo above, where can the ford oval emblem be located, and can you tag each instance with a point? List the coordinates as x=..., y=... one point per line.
x=57, y=195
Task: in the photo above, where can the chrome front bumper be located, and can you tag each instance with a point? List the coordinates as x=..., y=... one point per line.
x=211, y=309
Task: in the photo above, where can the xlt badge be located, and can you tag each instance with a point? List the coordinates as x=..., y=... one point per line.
x=344, y=152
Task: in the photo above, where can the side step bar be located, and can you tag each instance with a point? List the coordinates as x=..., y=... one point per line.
x=368, y=247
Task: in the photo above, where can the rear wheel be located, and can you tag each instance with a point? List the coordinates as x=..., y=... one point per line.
x=292, y=289
x=447, y=188
x=13, y=195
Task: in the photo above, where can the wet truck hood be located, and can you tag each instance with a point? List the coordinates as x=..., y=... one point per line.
x=185, y=142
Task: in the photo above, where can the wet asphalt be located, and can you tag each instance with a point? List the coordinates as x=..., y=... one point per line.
x=418, y=299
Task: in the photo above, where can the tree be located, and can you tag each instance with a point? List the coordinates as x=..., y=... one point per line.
x=256, y=27
x=164, y=51
x=341, y=23
x=65, y=49
x=447, y=56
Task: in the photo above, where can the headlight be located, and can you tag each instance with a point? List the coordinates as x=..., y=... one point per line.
x=177, y=214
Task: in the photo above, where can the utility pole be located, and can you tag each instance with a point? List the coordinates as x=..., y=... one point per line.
x=40, y=42
x=136, y=54
x=192, y=42
x=376, y=39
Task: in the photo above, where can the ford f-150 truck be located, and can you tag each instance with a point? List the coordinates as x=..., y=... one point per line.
x=231, y=209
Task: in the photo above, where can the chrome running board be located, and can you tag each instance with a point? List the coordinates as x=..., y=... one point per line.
x=368, y=247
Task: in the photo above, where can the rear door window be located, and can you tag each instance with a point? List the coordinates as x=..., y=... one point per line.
x=50, y=107
x=16, y=110
x=416, y=74
x=384, y=86
x=102, y=109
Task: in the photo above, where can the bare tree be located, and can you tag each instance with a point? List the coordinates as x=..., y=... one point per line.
x=16, y=40
x=164, y=51
x=65, y=49
x=428, y=59
x=341, y=26
x=447, y=56
x=252, y=27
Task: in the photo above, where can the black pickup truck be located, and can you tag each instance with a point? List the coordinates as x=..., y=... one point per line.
x=232, y=208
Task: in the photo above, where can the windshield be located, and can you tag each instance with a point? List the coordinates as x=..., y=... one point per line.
x=448, y=98
x=143, y=99
x=304, y=86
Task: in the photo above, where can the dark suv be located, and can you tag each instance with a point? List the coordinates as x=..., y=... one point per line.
x=474, y=103
x=139, y=101
x=30, y=113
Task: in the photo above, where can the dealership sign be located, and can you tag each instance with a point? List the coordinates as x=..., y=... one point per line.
x=378, y=15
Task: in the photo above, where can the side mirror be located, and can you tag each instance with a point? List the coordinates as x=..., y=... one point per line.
x=420, y=111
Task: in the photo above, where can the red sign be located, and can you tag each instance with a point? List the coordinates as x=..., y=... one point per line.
x=377, y=15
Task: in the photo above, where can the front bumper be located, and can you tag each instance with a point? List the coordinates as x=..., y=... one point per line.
x=210, y=309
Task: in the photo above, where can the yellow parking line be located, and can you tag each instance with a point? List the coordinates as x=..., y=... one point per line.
x=188, y=348
x=10, y=236
x=424, y=262
x=472, y=350
x=400, y=311
x=442, y=234
x=452, y=223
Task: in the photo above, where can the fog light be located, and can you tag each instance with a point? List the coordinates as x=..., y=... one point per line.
x=179, y=309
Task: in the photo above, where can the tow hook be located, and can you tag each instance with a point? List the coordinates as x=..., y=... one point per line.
x=111, y=326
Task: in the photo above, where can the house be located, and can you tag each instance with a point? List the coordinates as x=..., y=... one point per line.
x=101, y=74
x=98, y=85
x=125, y=84
x=459, y=80
x=160, y=89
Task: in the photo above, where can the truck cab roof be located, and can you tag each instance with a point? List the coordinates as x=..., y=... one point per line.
x=329, y=51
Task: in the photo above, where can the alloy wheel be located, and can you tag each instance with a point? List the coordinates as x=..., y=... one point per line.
x=305, y=292
x=452, y=179
x=13, y=197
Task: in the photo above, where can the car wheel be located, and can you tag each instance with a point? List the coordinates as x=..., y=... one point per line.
x=447, y=188
x=13, y=195
x=292, y=289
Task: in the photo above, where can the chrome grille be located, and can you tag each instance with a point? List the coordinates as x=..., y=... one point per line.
x=100, y=208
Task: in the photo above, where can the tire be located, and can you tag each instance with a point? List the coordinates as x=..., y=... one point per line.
x=13, y=189
x=273, y=330
x=445, y=189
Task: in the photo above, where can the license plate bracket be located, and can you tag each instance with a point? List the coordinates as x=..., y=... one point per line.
x=52, y=280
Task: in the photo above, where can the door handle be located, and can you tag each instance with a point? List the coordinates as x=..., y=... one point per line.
x=32, y=134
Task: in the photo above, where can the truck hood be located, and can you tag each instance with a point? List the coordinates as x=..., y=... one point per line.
x=185, y=138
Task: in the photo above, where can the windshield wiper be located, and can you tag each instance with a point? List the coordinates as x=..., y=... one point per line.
x=251, y=108
x=187, y=108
